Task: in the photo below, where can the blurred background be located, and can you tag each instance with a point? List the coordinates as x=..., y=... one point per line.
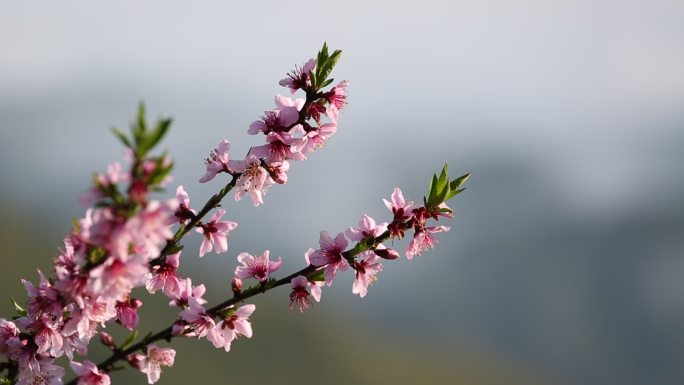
x=565, y=260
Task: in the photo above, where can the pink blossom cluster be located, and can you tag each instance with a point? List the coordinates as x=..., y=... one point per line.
x=106, y=256
x=333, y=254
x=126, y=241
x=292, y=130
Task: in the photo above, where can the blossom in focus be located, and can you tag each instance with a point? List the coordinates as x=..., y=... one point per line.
x=156, y=358
x=165, y=277
x=423, y=240
x=302, y=292
x=330, y=255
x=187, y=291
x=317, y=138
x=259, y=267
x=337, y=97
x=282, y=119
x=367, y=229
x=255, y=180
x=232, y=326
x=366, y=271
x=278, y=171
x=300, y=77
x=217, y=161
x=184, y=212
x=199, y=320
x=280, y=146
x=215, y=233
x=400, y=208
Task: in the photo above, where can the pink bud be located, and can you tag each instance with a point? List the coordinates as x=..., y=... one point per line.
x=107, y=340
x=385, y=253
x=236, y=285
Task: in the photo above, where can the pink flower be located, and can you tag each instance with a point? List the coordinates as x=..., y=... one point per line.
x=198, y=319
x=423, y=240
x=127, y=312
x=278, y=171
x=39, y=372
x=89, y=374
x=47, y=336
x=281, y=146
x=165, y=277
x=215, y=233
x=184, y=212
x=232, y=326
x=337, y=97
x=86, y=315
x=317, y=138
x=43, y=299
x=254, y=180
x=400, y=208
x=259, y=267
x=147, y=231
x=367, y=229
x=115, y=278
x=366, y=271
x=281, y=119
x=8, y=331
x=303, y=291
x=398, y=205
x=152, y=363
x=71, y=280
x=217, y=161
x=300, y=77
x=330, y=255
x=288, y=110
x=188, y=291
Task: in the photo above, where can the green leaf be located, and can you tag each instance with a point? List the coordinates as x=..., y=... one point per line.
x=20, y=310
x=433, y=192
x=322, y=55
x=443, y=179
x=325, y=68
x=454, y=193
x=314, y=80
x=140, y=126
x=327, y=82
x=460, y=181
x=122, y=137
x=129, y=340
x=442, y=195
x=152, y=139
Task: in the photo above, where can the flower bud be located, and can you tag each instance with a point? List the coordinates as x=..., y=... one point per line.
x=236, y=285
x=107, y=340
x=135, y=360
x=385, y=253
